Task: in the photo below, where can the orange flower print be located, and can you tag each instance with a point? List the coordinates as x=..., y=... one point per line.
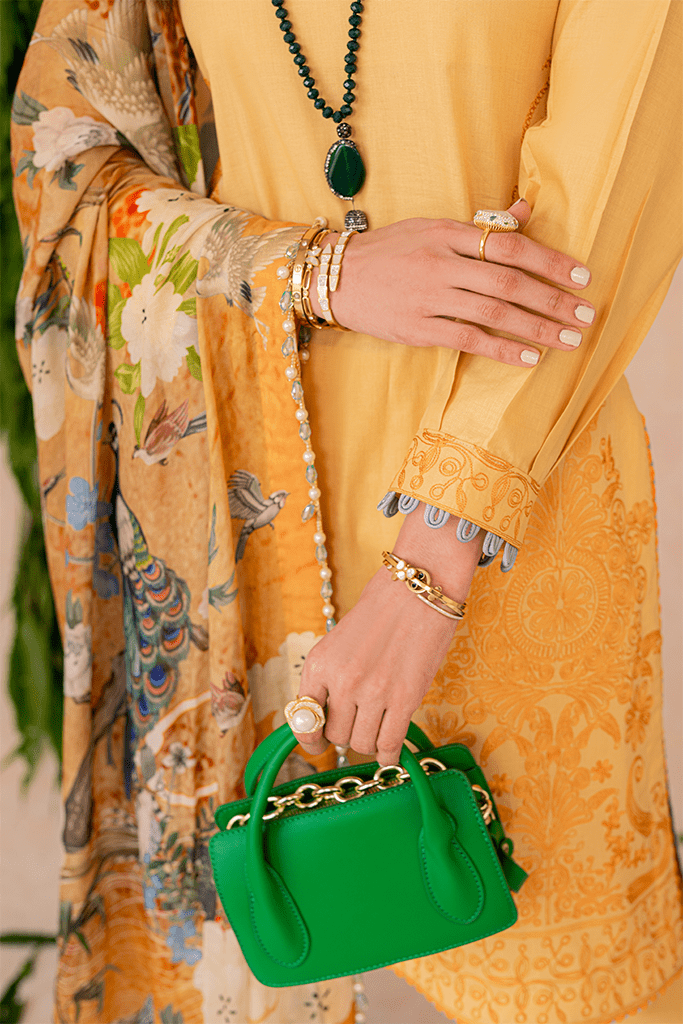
x=601, y=771
x=562, y=605
x=500, y=785
x=124, y=217
x=638, y=715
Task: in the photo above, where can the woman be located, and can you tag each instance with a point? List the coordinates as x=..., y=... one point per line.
x=149, y=322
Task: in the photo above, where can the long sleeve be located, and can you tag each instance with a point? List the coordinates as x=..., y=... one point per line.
x=602, y=174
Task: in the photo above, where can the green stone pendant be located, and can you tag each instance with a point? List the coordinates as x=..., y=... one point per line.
x=345, y=174
x=344, y=169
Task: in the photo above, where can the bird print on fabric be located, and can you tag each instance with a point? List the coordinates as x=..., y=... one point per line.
x=156, y=615
x=165, y=430
x=86, y=352
x=78, y=803
x=228, y=702
x=247, y=502
x=235, y=258
x=110, y=69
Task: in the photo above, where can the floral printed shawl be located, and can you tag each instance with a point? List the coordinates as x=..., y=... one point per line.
x=142, y=328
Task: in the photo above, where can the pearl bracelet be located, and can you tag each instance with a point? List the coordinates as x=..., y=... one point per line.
x=419, y=582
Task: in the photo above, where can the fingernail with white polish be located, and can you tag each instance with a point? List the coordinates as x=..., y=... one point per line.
x=529, y=355
x=585, y=314
x=573, y=338
x=580, y=275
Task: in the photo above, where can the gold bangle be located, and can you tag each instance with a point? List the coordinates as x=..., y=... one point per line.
x=301, y=272
x=419, y=582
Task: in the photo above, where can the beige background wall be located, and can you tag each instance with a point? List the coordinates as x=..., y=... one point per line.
x=29, y=844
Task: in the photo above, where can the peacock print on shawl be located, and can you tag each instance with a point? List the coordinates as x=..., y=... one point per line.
x=156, y=615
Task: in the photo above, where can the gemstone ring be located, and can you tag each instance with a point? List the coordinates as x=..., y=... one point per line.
x=305, y=715
x=493, y=220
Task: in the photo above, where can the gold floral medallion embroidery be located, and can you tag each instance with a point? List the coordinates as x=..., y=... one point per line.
x=554, y=683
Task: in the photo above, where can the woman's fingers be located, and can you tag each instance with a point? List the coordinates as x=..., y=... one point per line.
x=365, y=730
x=391, y=737
x=513, y=249
x=488, y=311
x=340, y=723
x=448, y=332
x=513, y=286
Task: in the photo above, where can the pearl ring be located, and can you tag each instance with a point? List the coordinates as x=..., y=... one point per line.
x=305, y=715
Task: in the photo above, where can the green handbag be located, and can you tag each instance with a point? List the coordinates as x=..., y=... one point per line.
x=358, y=868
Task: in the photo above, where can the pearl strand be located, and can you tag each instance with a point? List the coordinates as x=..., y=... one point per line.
x=295, y=357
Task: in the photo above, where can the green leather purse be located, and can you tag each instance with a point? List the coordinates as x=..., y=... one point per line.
x=358, y=868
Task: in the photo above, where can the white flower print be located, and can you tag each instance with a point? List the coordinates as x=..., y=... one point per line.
x=59, y=135
x=77, y=661
x=274, y=684
x=158, y=335
x=179, y=758
x=230, y=992
x=48, y=353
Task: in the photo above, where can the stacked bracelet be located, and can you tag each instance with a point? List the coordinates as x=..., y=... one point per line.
x=304, y=261
x=328, y=278
x=419, y=582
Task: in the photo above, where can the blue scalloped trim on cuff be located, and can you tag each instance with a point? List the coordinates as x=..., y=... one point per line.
x=436, y=517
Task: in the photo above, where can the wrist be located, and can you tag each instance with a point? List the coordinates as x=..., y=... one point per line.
x=450, y=562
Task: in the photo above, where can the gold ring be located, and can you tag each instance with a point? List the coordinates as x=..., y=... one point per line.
x=305, y=715
x=493, y=220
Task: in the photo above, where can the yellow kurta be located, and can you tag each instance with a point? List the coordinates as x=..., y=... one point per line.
x=554, y=680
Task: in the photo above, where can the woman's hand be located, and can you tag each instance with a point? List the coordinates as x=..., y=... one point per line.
x=376, y=665
x=421, y=282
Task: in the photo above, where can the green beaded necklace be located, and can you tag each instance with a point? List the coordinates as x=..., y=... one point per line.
x=344, y=167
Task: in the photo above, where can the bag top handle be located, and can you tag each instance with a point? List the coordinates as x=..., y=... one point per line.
x=269, y=747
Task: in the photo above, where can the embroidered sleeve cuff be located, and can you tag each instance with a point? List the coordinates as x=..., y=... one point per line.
x=465, y=480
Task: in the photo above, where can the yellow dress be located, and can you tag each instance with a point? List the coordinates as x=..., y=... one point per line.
x=554, y=680
x=150, y=334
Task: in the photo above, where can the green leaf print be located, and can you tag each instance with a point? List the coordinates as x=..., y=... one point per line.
x=193, y=363
x=115, y=304
x=183, y=273
x=222, y=595
x=26, y=164
x=128, y=260
x=66, y=174
x=189, y=306
x=128, y=377
x=139, y=416
x=26, y=110
x=187, y=139
x=175, y=225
